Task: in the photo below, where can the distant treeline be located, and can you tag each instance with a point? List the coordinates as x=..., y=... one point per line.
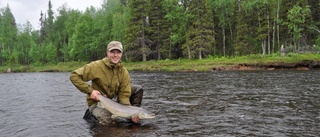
x=162, y=29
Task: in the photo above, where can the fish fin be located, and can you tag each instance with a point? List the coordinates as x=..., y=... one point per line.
x=114, y=116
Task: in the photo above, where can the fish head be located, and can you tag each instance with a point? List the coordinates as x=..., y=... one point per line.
x=144, y=114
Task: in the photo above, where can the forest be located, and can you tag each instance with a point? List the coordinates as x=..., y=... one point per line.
x=162, y=29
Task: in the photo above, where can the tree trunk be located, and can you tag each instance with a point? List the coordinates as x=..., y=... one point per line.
x=189, y=54
x=200, y=55
x=263, y=46
x=144, y=54
x=170, y=50
x=269, y=46
x=224, y=41
x=278, y=26
x=273, y=36
x=231, y=37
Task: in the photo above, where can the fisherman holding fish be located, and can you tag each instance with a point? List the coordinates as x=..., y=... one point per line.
x=109, y=78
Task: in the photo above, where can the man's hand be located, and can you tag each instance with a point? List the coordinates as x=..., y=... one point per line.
x=135, y=119
x=94, y=95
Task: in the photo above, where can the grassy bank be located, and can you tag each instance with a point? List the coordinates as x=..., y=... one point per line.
x=209, y=63
x=175, y=65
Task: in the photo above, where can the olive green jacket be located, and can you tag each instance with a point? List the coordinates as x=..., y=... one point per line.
x=108, y=78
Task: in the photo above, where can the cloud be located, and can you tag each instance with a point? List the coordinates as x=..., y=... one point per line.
x=30, y=10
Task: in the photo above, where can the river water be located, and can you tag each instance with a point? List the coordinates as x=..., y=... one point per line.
x=227, y=103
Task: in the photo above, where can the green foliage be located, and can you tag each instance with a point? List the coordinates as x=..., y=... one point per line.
x=200, y=35
x=177, y=22
x=8, y=36
x=82, y=38
x=225, y=11
x=138, y=44
x=162, y=29
x=296, y=17
x=50, y=51
x=317, y=44
x=157, y=29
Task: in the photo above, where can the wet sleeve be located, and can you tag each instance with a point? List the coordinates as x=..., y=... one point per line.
x=125, y=89
x=80, y=77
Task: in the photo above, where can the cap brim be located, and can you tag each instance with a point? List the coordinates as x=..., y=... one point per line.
x=115, y=48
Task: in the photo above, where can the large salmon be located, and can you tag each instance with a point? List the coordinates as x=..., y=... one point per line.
x=125, y=111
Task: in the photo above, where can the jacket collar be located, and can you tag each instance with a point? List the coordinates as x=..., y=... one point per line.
x=109, y=64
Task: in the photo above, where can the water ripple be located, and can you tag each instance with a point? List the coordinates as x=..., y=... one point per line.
x=232, y=103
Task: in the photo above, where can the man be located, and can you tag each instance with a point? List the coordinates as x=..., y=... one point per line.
x=110, y=78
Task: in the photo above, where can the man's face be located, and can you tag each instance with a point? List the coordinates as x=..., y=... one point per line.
x=114, y=55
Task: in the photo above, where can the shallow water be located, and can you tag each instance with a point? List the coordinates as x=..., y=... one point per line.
x=230, y=103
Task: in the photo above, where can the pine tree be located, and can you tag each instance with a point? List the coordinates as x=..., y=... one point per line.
x=200, y=34
x=246, y=28
x=315, y=10
x=158, y=28
x=49, y=21
x=264, y=29
x=224, y=11
x=176, y=22
x=138, y=44
x=42, y=28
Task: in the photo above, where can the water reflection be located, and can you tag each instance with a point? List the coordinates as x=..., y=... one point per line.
x=231, y=103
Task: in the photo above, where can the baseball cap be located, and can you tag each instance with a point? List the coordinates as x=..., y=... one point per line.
x=115, y=45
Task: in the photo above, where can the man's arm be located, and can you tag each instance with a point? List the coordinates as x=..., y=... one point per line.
x=79, y=79
x=125, y=89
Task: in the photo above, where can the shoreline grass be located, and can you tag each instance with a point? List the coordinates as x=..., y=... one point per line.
x=175, y=65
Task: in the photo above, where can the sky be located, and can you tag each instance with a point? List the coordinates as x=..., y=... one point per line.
x=30, y=10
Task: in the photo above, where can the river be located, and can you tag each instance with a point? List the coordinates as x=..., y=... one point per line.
x=226, y=103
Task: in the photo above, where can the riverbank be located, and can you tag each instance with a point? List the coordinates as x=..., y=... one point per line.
x=302, y=65
x=250, y=62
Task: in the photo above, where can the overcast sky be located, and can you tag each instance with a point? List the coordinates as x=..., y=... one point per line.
x=24, y=10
